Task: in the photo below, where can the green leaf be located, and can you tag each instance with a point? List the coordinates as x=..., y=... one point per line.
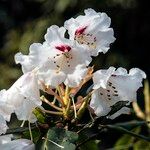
x=141, y=144
x=126, y=141
x=62, y=137
x=35, y=133
x=39, y=115
x=90, y=145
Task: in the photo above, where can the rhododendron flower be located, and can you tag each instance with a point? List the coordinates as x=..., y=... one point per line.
x=114, y=85
x=92, y=29
x=55, y=58
x=20, y=144
x=3, y=125
x=24, y=96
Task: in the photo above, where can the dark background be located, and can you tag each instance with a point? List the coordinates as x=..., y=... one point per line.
x=23, y=22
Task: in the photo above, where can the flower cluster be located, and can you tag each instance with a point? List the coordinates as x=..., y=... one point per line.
x=60, y=66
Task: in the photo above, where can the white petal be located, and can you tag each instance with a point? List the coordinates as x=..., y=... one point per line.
x=3, y=125
x=101, y=77
x=38, y=54
x=138, y=72
x=128, y=84
x=101, y=18
x=74, y=79
x=104, y=38
x=54, y=33
x=121, y=71
x=5, y=109
x=20, y=144
x=26, y=87
x=24, y=96
x=71, y=25
x=51, y=77
x=5, y=139
x=30, y=88
x=80, y=56
x=24, y=112
x=101, y=106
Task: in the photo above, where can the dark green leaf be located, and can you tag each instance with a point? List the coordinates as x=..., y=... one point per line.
x=62, y=137
x=90, y=145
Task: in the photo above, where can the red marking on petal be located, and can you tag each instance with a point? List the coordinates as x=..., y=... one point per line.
x=80, y=30
x=63, y=48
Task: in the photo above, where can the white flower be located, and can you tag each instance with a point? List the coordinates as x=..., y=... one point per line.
x=92, y=29
x=55, y=58
x=24, y=96
x=3, y=125
x=113, y=86
x=20, y=144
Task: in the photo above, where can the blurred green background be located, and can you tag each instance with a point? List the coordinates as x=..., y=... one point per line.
x=23, y=22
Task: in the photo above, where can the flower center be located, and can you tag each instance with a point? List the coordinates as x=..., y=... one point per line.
x=62, y=60
x=85, y=38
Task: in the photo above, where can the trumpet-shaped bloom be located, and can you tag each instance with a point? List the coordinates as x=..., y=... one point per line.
x=112, y=86
x=24, y=96
x=20, y=144
x=3, y=125
x=92, y=29
x=55, y=58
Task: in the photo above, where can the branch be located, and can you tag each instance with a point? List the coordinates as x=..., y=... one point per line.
x=51, y=104
x=121, y=129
